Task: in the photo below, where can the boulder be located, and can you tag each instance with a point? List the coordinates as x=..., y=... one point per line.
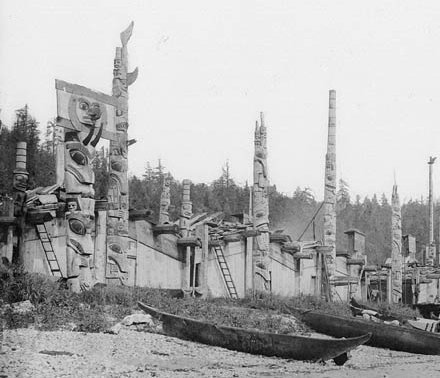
x=115, y=329
x=138, y=319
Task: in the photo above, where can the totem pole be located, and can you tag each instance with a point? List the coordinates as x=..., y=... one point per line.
x=20, y=183
x=21, y=177
x=330, y=190
x=117, y=220
x=164, y=216
x=396, y=248
x=186, y=208
x=431, y=252
x=85, y=116
x=260, y=208
x=185, y=216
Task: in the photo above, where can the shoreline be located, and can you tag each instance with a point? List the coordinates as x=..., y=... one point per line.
x=28, y=352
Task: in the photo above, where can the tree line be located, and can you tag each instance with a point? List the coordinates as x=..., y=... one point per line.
x=291, y=213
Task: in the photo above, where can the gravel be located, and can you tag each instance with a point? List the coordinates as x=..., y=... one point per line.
x=33, y=353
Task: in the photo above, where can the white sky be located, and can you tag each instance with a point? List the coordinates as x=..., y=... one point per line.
x=206, y=70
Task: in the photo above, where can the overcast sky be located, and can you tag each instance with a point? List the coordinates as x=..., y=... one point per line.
x=206, y=70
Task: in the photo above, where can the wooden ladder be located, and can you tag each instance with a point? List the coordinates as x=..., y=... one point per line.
x=48, y=250
x=225, y=271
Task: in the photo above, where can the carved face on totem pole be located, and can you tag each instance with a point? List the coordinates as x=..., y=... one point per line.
x=20, y=182
x=80, y=249
x=79, y=176
x=117, y=267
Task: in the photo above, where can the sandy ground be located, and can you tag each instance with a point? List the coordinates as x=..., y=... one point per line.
x=31, y=353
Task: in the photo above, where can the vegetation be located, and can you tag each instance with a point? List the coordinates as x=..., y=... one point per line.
x=103, y=306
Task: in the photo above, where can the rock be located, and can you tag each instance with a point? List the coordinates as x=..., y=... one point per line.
x=137, y=319
x=69, y=326
x=115, y=329
x=22, y=308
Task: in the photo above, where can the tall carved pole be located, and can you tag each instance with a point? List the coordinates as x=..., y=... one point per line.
x=185, y=216
x=186, y=208
x=20, y=184
x=82, y=113
x=330, y=188
x=396, y=248
x=260, y=208
x=431, y=253
x=21, y=177
x=164, y=216
x=117, y=221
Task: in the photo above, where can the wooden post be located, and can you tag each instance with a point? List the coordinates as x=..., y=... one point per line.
x=396, y=249
x=330, y=191
x=164, y=216
x=431, y=252
x=260, y=208
x=202, y=234
x=117, y=220
x=318, y=290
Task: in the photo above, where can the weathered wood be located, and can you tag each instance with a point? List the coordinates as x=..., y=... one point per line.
x=433, y=276
x=186, y=208
x=161, y=229
x=303, y=255
x=189, y=241
x=396, y=249
x=214, y=243
x=165, y=200
x=139, y=214
x=260, y=209
x=117, y=218
x=250, y=233
x=344, y=280
x=370, y=268
x=232, y=238
x=83, y=91
x=383, y=335
x=330, y=187
x=280, y=238
x=255, y=342
x=355, y=261
x=430, y=259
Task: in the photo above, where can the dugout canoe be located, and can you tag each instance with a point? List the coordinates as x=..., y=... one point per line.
x=256, y=342
x=382, y=335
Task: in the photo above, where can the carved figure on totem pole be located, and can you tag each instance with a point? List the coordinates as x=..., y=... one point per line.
x=396, y=249
x=117, y=220
x=85, y=115
x=78, y=182
x=164, y=215
x=80, y=246
x=260, y=207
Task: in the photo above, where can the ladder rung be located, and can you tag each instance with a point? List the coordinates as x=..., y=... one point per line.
x=53, y=266
x=51, y=255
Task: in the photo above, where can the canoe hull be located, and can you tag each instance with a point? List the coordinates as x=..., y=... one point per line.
x=254, y=342
x=383, y=335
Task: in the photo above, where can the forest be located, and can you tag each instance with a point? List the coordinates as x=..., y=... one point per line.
x=291, y=213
